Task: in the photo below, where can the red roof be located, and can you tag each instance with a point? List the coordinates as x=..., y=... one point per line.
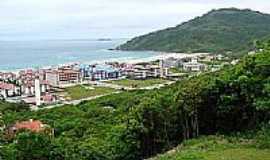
x=35, y=126
x=48, y=98
x=44, y=82
x=6, y=86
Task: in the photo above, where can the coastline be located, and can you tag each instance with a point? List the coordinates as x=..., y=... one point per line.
x=128, y=60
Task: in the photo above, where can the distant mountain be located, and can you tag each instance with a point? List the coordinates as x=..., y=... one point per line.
x=227, y=30
x=104, y=39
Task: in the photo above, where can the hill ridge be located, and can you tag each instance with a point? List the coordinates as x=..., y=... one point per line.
x=218, y=31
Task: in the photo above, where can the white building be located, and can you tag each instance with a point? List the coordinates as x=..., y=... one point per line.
x=37, y=92
x=194, y=66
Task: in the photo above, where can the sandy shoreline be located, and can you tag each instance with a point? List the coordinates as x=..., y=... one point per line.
x=129, y=60
x=163, y=56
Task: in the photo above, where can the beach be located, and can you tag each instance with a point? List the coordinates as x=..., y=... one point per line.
x=16, y=56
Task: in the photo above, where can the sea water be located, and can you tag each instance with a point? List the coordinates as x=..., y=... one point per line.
x=15, y=55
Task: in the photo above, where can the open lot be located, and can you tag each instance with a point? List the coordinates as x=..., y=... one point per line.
x=81, y=92
x=138, y=83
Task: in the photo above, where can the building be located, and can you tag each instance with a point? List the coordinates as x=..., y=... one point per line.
x=28, y=87
x=7, y=76
x=173, y=62
x=99, y=72
x=144, y=71
x=9, y=90
x=45, y=99
x=26, y=80
x=37, y=92
x=194, y=66
x=62, y=76
x=30, y=125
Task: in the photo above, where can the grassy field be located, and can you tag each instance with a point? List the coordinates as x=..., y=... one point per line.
x=138, y=83
x=216, y=148
x=81, y=92
x=177, y=70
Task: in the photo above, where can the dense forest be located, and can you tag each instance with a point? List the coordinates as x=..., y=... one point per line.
x=228, y=31
x=140, y=124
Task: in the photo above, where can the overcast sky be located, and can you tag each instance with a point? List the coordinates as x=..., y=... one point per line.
x=54, y=19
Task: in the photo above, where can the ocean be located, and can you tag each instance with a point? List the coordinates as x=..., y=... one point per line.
x=16, y=55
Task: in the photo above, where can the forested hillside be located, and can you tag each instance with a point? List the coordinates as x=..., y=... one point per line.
x=219, y=31
x=140, y=124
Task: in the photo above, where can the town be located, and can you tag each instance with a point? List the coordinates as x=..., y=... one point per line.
x=76, y=82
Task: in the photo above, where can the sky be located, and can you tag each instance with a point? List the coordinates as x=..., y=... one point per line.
x=91, y=19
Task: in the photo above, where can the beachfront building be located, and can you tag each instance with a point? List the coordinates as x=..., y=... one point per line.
x=26, y=80
x=146, y=70
x=173, y=62
x=99, y=72
x=62, y=76
x=194, y=66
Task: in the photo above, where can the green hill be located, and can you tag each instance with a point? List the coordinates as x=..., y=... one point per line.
x=218, y=31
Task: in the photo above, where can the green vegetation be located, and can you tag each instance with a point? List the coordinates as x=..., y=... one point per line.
x=219, y=31
x=81, y=92
x=141, y=124
x=216, y=148
x=138, y=83
x=178, y=70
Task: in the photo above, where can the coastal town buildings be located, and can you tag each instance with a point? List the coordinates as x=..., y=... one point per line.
x=194, y=66
x=45, y=86
x=99, y=72
x=144, y=71
x=26, y=86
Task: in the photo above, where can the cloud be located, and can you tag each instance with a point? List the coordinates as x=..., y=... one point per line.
x=94, y=18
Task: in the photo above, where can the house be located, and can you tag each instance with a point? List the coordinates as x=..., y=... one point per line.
x=48, y=99
x=7, y=76
x=9, y=90
x=30, y=125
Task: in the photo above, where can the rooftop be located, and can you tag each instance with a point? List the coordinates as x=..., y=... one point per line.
x=32, y=125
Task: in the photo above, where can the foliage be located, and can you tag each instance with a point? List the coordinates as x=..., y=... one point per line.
x=139, y=124
x=216, y=148
x=219, y=31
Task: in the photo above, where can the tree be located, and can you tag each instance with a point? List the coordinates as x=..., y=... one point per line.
x=33, y=146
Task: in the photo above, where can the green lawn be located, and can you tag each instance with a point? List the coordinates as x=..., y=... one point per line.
x=81, y=92
x=177, y=70
x=216, y=148
x=138, y=83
